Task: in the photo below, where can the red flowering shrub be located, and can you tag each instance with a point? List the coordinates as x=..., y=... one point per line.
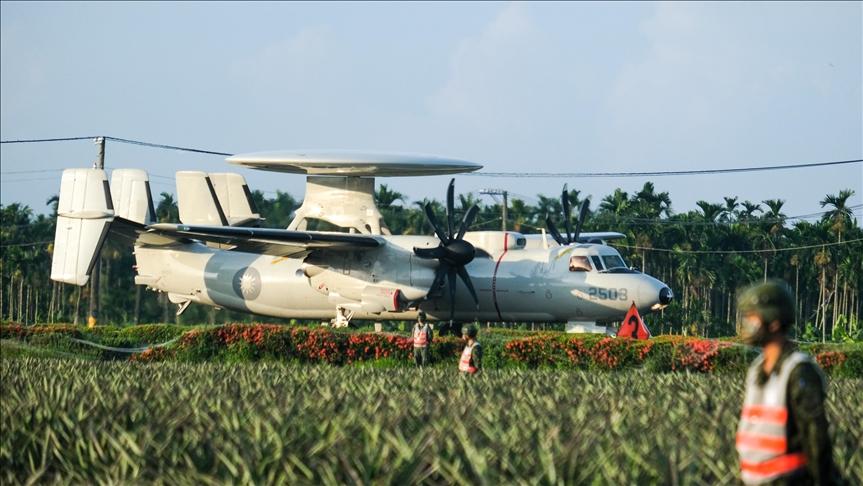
x=254, y=334
x=150, y=354
x=697, y=355
x=21, y=332
x=609, y=352
x=830, y=359
x=245, y=342
x=536, y=351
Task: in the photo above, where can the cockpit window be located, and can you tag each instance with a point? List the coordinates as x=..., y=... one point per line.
x=579, y=264
x=596, y=262
x=613, y=261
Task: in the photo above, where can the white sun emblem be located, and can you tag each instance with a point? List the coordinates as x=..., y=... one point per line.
x=248, y=285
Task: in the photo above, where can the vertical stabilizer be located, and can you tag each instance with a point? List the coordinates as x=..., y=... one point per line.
x=197, y=200
x=84, y=214
x=130, y=193
x=235, y=198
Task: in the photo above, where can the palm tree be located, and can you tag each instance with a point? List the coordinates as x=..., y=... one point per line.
x=710, y=211
x=518, y=213
x=167, y=211
x=616, y=204
x=730, y=209
x=748, y=211
x=384, y=196
x=841, y=216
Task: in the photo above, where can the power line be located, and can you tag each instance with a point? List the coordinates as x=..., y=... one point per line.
x=121, y=140
x=661, y=173
x=40, y=140
x=791, y=248
x=167, y=147
x=492, y=174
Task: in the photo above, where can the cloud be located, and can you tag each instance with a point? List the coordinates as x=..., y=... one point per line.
x=500, y=79
x=713, y=80
x=289, y=64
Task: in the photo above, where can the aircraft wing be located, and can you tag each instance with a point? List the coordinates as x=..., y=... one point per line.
x=268, y=241
x=582, y=238
x=601, y=235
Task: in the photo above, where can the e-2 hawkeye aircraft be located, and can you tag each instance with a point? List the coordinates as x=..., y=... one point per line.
x=219, y=256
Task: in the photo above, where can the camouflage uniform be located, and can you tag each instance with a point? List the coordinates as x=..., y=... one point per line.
x=807, y=429
x=782, y=436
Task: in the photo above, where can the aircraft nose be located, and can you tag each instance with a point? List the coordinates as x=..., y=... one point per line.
x=665, y=296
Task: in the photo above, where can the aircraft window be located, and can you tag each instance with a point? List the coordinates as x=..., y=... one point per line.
x=579, y=264
x=596, y=262
x=613, y=261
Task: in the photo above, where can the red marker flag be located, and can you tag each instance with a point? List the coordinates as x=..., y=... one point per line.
x=632, y=325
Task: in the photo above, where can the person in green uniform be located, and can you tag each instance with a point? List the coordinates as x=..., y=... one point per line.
x=783, y=435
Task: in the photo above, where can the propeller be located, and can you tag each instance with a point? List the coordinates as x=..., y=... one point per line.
x=453, y=252
x=571, y=234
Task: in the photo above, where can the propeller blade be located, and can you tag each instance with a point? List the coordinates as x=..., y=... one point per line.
x=436, y=252
x=567, y=214
x=582, y=214
x=467, y=221
x=553, y=230
x=439, y=275
x=451, y=273
x=465, y=277
x=450, y=206
x=433, y=221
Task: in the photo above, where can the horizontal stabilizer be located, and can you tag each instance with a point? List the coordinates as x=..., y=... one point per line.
x=84, y=215
x=130, y=192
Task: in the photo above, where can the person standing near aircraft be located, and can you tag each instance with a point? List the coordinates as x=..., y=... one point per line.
x=783, y=435
x=422, y=340
x=471, y=357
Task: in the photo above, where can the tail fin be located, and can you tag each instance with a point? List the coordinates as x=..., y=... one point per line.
x=235, y=198
x=84, y=215
x=130, y=191
x=214, y=199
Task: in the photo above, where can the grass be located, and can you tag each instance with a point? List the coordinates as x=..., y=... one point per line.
x=75, y=421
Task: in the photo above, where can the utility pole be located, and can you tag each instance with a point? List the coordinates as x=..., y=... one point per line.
x=505, y=194
x=93, y=311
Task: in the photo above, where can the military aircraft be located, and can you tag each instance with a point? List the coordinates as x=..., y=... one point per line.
x=219, y=255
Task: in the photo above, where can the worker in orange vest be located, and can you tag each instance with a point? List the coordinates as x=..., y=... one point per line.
x=422, y=340
x=471, y=357
x=783, y=435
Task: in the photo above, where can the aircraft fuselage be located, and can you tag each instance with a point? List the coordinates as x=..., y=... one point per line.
x=515, y=282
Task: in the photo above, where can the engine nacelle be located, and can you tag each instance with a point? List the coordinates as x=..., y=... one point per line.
x=373, y=299
x=387, y=298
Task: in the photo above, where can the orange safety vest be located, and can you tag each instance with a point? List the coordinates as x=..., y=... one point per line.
x=465, y=364
x=762, y=438
x=421, y=336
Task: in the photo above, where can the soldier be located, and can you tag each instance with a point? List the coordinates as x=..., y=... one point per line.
x=782, y=437
x=471, y=357
x=422, y=340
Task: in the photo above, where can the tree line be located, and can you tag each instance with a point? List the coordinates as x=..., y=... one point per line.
x=706, y=255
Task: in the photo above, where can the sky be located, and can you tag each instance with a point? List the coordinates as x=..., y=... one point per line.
x=517, y=87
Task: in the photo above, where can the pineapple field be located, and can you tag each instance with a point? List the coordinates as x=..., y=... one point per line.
x=270, y=422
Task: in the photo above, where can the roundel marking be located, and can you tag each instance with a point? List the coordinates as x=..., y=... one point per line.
x=247, y=283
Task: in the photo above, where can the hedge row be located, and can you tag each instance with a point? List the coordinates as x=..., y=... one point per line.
x=244, y=342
